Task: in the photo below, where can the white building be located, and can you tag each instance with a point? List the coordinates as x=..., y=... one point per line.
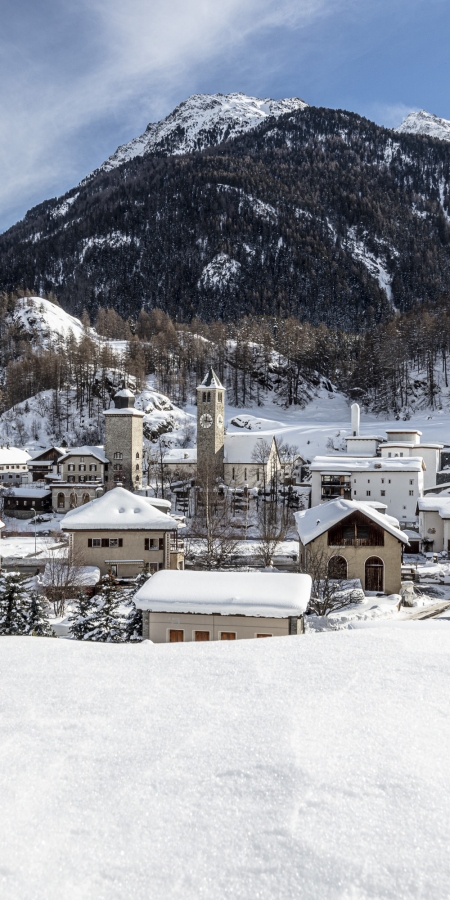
x=407, y=443
x=397, y=482
x=434, y=522
x=13, y=466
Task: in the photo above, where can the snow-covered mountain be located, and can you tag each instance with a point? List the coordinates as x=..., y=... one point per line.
x=423, y=122
x=202, y=120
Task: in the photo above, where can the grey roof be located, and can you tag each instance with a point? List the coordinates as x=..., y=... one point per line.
x=211, y=380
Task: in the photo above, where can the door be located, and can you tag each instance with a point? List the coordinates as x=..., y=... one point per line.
x=175, y=636
x=202, y=635
x=374, y=574
x=228, y=636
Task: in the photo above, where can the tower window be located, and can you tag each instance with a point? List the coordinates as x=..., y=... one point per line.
x=233, y=473
x=137, y=467
x=118, y=456
x=219, y=397
x=137, y=455
x=209, y=396
x=204, y=396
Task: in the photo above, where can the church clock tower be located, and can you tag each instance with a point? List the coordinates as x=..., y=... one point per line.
x=210, y=426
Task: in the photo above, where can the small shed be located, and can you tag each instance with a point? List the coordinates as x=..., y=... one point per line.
x=218, y=606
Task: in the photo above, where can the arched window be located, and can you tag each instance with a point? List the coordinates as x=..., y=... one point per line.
x=337, y=567
x=137, y=467
x=374, y=574
x=73, y=500
x=61, y=501
x=86, y=498
x=137, y=455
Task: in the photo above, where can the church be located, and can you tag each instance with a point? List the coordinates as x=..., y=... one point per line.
x=238, y=459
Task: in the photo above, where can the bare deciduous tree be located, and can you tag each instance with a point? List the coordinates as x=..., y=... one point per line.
x=271, y=529
x=212, y=542
x=328, y=593
x=63, y=578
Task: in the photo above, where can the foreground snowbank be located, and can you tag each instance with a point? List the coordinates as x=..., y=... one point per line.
x=313, y=767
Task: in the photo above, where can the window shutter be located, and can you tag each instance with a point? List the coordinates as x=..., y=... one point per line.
x=89, y=542
x=161, y=543
x=120, y=542
x=105, y=542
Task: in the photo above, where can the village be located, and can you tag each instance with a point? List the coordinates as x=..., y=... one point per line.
x=298, y=543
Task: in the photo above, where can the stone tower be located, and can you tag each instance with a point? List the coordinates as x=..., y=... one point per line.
x=210, y=426
x=123, y=442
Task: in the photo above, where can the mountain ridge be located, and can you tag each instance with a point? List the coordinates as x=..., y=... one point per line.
x=425, y=123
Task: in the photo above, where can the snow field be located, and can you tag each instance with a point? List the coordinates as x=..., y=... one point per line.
x=312, y=767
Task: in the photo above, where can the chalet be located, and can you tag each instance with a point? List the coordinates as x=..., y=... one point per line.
x=225, y=606
x=44, y=465
x=123, y=533
x=357, y=540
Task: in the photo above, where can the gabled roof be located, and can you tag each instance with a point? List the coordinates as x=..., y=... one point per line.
x=98, y=452
x=239, y=448
x=13, y=455
x=226, y=593
x=211, y=380
x=118, y=510
x=125, y=392
x=37, y=456
x=435, y=503
x=316, y=521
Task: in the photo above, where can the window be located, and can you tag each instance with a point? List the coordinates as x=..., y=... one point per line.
x=354, y=491
x=86, y=498
x=150, y=544
x=137, y=467
x=204, y=397
x=116, y=542
x=96, y=542
x=337, y=567
x=82, y=468
x=367, y=493
x=118, y=456
x=82, y=478
x=232, y=474
x=389, y=480
x=411, y=480
x=257, y=474
x=61, y=501
x=81, y=458
x=219, y=397
x=201, y=635
x=227, y=635
x=354, y=481
x=383, y=493
x=209, y=396
x=137, y=455
x=411, y=493
x=117, y=467
x=368, y=481
x=401, y=454
x=382, y=481
x=161, y=543
x=117, y=477
x=245, y=474
x=176, y=636
x=389, y=455
x=92, y=467
x=263, y=635
x=71, y=467
x=71, y=478
x=404, y=507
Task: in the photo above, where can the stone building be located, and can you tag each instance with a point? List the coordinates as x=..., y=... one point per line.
x=124, y=442
x=123, y=533
x=354, y=540
x=210, y=426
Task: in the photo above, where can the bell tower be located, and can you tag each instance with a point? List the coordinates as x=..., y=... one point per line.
x=210, y=426
x=124, y=442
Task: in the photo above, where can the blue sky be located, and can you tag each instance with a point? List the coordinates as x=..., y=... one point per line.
x=80, y=77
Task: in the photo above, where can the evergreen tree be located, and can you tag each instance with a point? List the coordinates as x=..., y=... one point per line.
x=107, y=622
x=80, y=621
x=133, y=626
x=13, y=605
x=37, y=620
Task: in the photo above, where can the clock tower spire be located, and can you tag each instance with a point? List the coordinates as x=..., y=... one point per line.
x=210, y=426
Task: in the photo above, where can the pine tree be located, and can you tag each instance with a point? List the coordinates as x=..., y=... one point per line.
x=13, y=605
x=37, y=620
x=133, y=626
x=81, y=620
x=107, y=622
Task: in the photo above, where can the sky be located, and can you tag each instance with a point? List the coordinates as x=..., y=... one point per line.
x=80, y=77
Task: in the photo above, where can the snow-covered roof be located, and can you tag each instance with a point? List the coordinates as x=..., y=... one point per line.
x=126, y=411
x=226, y=593
x=435, y=503
x=180, y=455
x=403, y=431
x=365, y=437
x=211, y=380
x=239, y=448
x=425, y=446
x=36, y=456
x=315, y=521
x=125, y=392
x=157, y=502
x=376, y=504
x=341, y=465
x=118, y=510
x=98, y=452
x=30, y=492
x=13, y=456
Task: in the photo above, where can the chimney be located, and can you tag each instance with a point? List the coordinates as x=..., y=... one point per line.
x=355, y=419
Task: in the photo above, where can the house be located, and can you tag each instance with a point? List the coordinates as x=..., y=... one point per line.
x=357, y=541
x=396, y=481
x=83, y=464
x=222, y=606
x=407, y=443
x=250, y=459
x=13, y=466
x=44, y=465
x=24, y=502
x=124, y=534
x=434, y=522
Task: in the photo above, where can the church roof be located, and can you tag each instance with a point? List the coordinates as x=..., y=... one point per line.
x=211, y=380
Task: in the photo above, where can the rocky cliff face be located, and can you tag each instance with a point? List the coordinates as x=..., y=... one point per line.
x=425, y=123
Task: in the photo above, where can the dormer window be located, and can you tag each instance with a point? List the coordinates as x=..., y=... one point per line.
x=81, y=458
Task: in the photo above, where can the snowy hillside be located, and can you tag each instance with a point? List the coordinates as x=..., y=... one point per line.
x=423, y=122
x=45, y=321
x=305, y=766
x=201, y=121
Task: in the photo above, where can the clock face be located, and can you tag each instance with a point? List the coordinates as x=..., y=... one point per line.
x=206, y=420
x=220, y=420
